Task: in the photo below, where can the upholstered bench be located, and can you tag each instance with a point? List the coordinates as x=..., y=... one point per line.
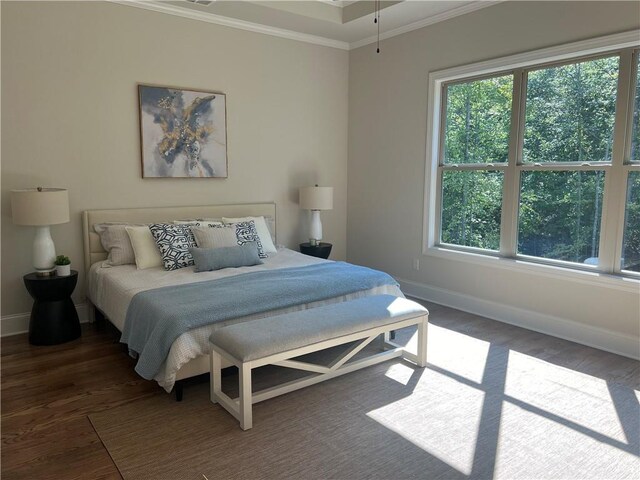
x=280, y=339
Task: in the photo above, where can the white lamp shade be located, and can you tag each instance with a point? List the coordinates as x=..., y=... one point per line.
x=45, y=206
x=316, y=198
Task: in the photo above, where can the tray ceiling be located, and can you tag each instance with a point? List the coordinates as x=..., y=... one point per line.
x=341, y=24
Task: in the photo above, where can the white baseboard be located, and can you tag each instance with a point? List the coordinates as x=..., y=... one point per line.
x=626, y=345
x=19, y=322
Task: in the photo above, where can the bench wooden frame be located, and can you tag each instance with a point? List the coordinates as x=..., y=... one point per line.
x=241, y=407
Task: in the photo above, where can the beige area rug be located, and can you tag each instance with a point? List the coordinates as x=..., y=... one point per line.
x=521, y=405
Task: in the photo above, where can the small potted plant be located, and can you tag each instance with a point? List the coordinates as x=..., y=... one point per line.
x=63, y=266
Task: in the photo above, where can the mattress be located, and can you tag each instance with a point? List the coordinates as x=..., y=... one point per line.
x=111, y=289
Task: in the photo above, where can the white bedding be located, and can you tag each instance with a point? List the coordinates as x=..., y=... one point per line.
x=112, y=288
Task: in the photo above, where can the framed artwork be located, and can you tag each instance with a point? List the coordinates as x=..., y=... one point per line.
x=183, y=133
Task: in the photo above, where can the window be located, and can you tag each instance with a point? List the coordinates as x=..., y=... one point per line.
x=540, y=162
x=559, y=215
x=631, y=247
x=476, y=138
x=570, y=111
x=471, y=208
x=569, y=117
x=630, y=260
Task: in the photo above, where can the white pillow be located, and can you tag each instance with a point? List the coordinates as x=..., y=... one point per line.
x=271, y=225
x=144, y=246
x=262, y=229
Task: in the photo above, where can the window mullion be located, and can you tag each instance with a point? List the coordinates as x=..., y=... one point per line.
x=613, y=205
x=557, y=167
x=511, y=187
x=474, y=166
x=438, y=218
x=437, y=221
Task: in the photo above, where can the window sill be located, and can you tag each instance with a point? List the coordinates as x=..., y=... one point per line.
x=616, y=282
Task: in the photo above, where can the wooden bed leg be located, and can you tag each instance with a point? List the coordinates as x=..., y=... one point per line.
x=178, y=387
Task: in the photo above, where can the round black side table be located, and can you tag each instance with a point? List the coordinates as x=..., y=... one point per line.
x=322, y=250
x=54, y=318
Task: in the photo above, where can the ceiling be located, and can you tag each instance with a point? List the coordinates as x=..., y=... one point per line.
x=336, y=23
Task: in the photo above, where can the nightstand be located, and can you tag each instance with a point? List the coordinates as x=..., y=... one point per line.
x=54, y=318
x=322, y=250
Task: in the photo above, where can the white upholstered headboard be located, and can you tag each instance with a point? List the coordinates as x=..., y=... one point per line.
x=93, y=251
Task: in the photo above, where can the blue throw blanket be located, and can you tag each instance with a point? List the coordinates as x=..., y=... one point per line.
x=156, y=318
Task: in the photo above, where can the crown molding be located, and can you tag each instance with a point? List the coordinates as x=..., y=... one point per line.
x=339, y=3
x=441, y=17
x=233, y=23
x=301, y=37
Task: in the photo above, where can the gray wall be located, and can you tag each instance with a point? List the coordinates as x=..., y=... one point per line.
x=387, y=136
x=70, y=119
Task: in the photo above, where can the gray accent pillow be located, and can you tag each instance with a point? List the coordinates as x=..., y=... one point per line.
x=228, y=236
x=215, y=237
x=208, y=259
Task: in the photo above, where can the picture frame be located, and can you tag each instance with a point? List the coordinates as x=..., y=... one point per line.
x=183, y=132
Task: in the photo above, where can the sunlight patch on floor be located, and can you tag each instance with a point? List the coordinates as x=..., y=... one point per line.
x=564, y=393
x=400, y=372
x=544, y=446
x=423, y=445
x=442, y=422
x=459, y=353
x=539, y=419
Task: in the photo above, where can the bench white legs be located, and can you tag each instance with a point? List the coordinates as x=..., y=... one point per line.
x=422, y=344
x=420, y=358
x=215, y=381
x=246, y=398
x=241, y=407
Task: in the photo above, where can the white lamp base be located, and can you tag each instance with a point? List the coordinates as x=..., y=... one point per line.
x=44, y=252
x=315, y=232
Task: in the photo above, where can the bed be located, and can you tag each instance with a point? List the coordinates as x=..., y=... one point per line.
x=111, y=289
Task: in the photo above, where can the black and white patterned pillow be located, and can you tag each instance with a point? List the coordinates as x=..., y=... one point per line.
x=174, y=242
x=246, y=232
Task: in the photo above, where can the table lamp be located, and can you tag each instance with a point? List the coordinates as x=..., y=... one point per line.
x=41, y=207
x=316, y=199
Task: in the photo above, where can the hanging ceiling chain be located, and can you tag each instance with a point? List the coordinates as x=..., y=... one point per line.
x=376, y=20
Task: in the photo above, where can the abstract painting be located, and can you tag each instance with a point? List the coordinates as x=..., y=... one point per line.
x=183, y=133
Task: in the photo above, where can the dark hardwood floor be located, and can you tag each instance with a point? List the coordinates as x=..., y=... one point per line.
x=47, y=393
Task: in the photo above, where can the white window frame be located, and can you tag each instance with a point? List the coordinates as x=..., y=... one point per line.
x=616, y=173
